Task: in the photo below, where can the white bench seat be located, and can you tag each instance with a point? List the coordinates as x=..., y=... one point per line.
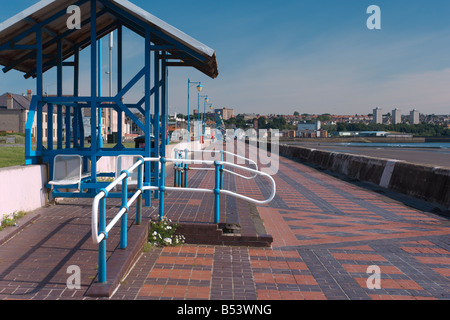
x=68, y=171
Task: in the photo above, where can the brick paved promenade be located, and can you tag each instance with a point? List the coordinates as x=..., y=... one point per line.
x=326, y=233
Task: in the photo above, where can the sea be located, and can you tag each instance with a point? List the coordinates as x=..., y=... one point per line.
x=428, y=145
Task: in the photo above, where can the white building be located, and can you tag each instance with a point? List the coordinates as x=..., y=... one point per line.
x=378, y=115
x=396, y=116
x=414, y=117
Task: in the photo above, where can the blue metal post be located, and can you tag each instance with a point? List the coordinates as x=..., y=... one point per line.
x=102, y=245
x=79, y=111
x=39, y=89
x=175, y=171
x=217, y=193
x=29, y=153
x=75, y=128
x=198, y=114
x=186, y=168
x=120, y=80
x=99, y=76
x=68, y=129
x=50, y=126
x=164, y=122
x=147, y=114
x=39, y=64
x=157, y=128
x=39, y=144
x=124, y=219
x=166, y=101
x=189, y=117
x=119, y=58
x=162, y=188
x=59, y=93
x=59, y=120
x=94, y=90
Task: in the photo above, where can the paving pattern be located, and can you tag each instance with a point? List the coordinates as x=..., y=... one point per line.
x=327, y=234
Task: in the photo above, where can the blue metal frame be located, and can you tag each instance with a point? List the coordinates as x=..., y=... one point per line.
x=68, y=106
x=164, y=48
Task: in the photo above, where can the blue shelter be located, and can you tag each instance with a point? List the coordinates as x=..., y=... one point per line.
x=51, y=34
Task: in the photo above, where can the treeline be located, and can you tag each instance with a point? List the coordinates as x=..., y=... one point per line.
x=423, y=129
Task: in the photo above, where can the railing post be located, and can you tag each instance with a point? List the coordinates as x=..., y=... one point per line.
x=124, y=219
x=162, y=188
x=102, y=244
x=186, y=168
x=217, y=164
x=175, y=170
x=139, y=200
x=221, y=169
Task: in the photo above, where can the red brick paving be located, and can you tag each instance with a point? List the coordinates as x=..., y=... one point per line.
x=326, y=231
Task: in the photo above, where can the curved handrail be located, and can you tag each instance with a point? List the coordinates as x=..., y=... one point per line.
x=236, y=195
x=100, y=199
x=225, y=170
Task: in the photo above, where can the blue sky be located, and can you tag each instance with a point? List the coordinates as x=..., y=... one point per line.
x=311, y=56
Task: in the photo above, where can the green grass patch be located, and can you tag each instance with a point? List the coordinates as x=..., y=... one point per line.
x=15, y=156
x=12, y=156
x=11, y=221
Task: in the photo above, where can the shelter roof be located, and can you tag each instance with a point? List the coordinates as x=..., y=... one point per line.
x=17, y=34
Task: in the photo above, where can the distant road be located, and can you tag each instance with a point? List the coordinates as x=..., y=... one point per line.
x=433, y=157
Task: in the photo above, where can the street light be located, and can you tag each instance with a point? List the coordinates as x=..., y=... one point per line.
x=199, y=89
x=200, y=125
x=211, y=107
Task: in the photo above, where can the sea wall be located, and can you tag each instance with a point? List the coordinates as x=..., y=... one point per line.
x=420, y=181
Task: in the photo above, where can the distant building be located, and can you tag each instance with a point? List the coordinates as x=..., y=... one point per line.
x=396, y=116
x=289, y=133
x=227, y=113
x=378, y=115
x=14, y=110
x=309, y=130
x=414, y=117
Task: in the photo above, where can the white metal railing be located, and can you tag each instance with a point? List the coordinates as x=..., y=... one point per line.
x=179, y=169
x=99, y=228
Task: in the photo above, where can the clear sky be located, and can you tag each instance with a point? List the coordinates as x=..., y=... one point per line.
x=311, y=56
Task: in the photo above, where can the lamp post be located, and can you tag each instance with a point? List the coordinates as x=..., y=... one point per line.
x=200, y=125
x=199, y=89
x=214, y=121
